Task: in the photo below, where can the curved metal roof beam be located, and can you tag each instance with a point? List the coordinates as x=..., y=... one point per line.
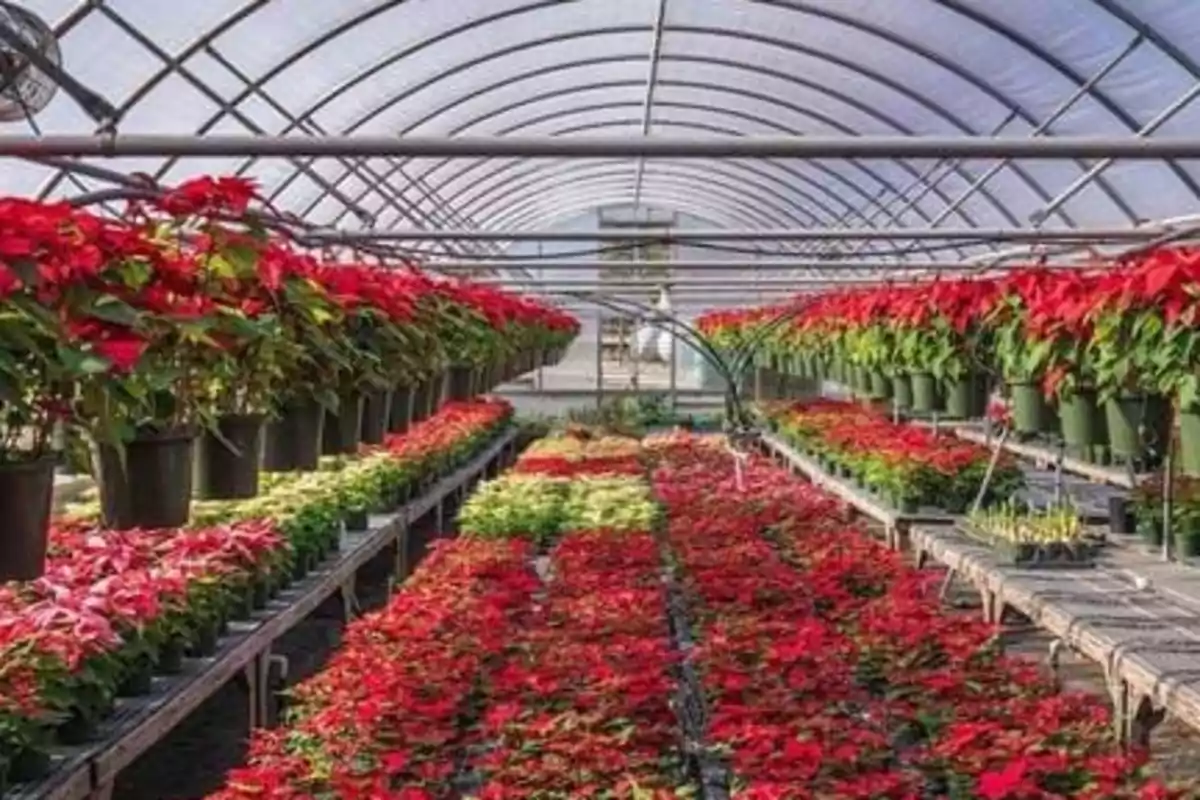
x=708, y=60
x=516, y=192
x=743, y=194
x=764, y=121
x=920, y=99
x=532, y=210
x=634, y=83
x=823, y=168
x=500, y=207
x=737, y=172
x=694, y=126
x=994, y=28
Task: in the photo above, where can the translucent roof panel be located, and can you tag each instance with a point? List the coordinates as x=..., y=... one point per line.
x=631, y=68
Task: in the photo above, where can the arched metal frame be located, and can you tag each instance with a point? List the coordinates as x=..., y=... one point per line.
x=497, y=196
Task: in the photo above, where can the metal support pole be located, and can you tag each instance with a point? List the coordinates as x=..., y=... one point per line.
x=1163, y=117
x=727, y=265
x=669, y=236
x=805, y=147
x=648, y=105
x=600, y=360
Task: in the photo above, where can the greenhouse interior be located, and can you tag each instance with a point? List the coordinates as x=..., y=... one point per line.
x=629, y=400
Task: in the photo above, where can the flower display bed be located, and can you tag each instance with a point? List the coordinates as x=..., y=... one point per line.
x=513, y=667
x=831, y=670
x=906, y=466
x=162, y=618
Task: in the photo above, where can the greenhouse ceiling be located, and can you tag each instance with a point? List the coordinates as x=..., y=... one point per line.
x=621, y=70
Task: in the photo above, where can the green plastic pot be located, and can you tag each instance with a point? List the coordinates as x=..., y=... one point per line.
x=902, y=394
x=880, y=385
x=925, y=395
x=1138, y=427
x=1083, y=427
x=966, y=398
x=1030, y=412
x=1189, y=440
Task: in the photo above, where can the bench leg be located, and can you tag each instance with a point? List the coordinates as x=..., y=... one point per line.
x=400, y=562
x=1134, y=716
x=349, y=598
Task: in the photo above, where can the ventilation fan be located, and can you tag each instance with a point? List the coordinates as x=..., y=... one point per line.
x=25, y=89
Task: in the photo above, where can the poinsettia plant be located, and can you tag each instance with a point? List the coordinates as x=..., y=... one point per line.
x=44, y=249
x=1143, y=326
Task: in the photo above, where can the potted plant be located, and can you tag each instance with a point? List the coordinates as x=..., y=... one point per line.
x=241, y=273
x=311, y=319
x=39, y=368
x=1022, y=352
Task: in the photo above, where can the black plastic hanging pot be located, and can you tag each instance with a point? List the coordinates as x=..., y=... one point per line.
x=343, y=427
x=154, y=490
x=293, y=441
x=420, y=402
x=227, y=460
x=460, y=383
x=400, y=414
x=26, y=495
x=376, y=406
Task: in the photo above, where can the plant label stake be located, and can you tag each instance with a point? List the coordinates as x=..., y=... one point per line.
x=1059, y=457
x=991, y=469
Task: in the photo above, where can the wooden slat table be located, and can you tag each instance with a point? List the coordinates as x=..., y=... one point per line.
x=139, y=723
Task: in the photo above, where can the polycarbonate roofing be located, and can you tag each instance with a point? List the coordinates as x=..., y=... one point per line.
x=646, y=67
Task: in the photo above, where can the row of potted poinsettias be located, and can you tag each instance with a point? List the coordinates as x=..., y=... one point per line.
x=831, y=671
x=115, y=608
x=1096, y=356
x=498, y=674
x=184, y=331
x=908, y=466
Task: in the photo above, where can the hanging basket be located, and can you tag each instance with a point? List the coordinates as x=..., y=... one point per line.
x=26, y=496
x=227, y=461
x=376, y=406
x=293, y=441
x=400, y=413
x=153, y=489
x=343, y=427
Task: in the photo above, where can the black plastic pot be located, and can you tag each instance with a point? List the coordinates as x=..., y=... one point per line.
x=460, y=383
x=293, y=441
x=420, y=403
x=170, y=657
x=138, y=680
x=376, y=407
x=227, y=460
x=154, y=487
x=28, y=765
x=26, y=495
x=400, y=414
x=343, y=427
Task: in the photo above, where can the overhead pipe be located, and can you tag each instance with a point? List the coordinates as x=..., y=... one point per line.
x=803, y=147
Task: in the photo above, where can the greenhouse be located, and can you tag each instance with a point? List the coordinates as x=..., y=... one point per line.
x=630, y=400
